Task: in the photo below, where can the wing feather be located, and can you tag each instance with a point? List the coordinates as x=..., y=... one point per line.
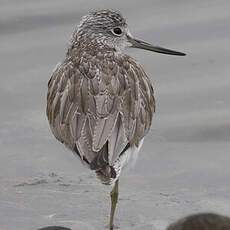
x=118, y=141
x=103, y=131
x=100, y=107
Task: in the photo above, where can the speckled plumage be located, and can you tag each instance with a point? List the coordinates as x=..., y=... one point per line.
x=100, y=102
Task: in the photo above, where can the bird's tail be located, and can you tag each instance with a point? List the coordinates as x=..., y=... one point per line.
x=109, y=174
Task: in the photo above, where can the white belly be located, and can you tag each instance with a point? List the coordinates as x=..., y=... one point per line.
x=129, y=157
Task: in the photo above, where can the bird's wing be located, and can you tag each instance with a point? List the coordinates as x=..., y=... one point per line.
x=100, y=112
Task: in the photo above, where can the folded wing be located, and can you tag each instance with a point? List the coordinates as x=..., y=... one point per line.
x=100, y=111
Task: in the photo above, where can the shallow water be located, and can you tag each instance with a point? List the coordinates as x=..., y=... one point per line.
x=184, y=164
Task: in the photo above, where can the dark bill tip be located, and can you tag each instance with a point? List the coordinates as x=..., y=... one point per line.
x=146, y=46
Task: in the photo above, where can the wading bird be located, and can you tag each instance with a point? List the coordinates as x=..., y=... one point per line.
x=100, y=101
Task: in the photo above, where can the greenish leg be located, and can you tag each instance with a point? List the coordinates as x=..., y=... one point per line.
x=114, y=198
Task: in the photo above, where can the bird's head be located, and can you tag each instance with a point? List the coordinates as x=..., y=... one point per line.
x=108, y=28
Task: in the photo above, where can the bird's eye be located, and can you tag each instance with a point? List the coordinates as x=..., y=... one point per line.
x=117, y=31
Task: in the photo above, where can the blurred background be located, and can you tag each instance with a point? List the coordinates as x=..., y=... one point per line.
x=184, y=164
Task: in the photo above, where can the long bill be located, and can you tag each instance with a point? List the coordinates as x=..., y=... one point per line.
x=135, y=43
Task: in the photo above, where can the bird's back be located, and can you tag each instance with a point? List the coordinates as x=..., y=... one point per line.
x=100, y=104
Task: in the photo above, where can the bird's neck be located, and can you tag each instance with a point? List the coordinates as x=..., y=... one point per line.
x=82, y=49
x=90, y=43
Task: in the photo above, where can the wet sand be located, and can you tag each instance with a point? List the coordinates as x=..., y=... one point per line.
x=184, y=165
